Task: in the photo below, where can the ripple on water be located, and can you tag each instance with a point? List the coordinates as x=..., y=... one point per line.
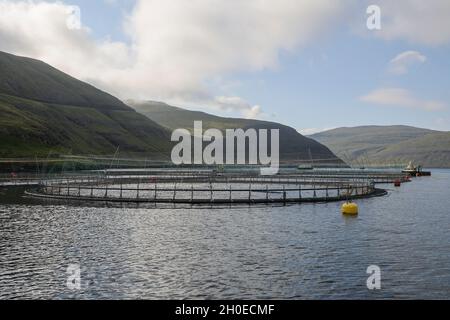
x=294, y=252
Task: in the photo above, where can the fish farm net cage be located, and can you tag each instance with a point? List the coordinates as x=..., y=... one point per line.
x=208, y=188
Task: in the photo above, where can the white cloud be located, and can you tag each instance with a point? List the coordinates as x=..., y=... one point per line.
x=237, y=104
x=416, y=21
x=177, y=47
x=398, y=97
x=40, y=30
x=403, y=61
x=253, y=113
x=311, y=131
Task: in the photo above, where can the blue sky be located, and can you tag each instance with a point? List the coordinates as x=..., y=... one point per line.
x=320, y=86
x=105, y=17
x=313, y=84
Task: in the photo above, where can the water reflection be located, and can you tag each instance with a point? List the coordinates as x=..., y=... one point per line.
x=297, y=251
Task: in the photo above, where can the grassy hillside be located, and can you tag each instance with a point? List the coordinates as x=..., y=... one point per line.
x=35, y=80
x=293, y=146
x=43, y=110
x=380, y=145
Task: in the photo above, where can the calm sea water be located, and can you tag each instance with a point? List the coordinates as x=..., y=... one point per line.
x=257, y=252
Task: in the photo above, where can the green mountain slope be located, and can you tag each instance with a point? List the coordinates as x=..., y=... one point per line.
x=384, y=145
x=35, y=80
x=44, y=110
x=293, y=146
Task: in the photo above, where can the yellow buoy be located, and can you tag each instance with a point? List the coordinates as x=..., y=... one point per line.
x=350, y=208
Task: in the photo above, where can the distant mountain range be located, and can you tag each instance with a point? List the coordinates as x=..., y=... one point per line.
x=43, y=110
x=385, y=145
x=293, y=146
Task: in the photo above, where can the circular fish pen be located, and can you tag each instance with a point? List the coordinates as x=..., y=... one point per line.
x=206, y=189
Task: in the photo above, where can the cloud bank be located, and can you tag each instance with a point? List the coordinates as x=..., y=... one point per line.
x=176, y=46
x=178, y=49
x=416, y=21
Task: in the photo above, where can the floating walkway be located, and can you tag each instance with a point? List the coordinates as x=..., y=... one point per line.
x=264, y=200
x=206, y=186
x=206, y=190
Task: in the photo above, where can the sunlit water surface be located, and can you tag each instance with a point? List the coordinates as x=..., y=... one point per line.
x=257, y=252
